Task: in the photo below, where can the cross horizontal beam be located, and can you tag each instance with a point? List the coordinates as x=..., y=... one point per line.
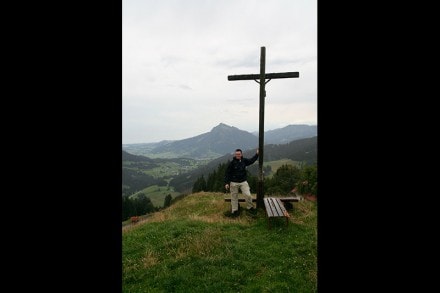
x=267, y=75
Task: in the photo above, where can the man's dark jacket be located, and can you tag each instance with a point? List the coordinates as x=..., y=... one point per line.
x=236, y=170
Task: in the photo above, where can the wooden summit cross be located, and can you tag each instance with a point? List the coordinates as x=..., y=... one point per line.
x=262, y=81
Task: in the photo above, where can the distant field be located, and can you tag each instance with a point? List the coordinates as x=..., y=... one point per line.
x=165, y=169
x=157, y=194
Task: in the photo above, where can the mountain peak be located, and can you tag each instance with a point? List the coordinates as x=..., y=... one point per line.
x=221, y=126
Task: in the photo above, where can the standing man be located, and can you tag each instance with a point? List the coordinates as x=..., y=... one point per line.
x=235, y=179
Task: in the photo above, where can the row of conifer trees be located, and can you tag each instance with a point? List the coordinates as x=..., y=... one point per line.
x=282, y=182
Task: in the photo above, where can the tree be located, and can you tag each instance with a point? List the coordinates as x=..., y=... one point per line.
x=308, y=183
x=127, y=208
x=211, y=181
x=199, y=185
x=143, y=205
x=167, y=201
x=283, y=181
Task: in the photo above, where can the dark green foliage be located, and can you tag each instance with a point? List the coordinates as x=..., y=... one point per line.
x=309, y=181
x=216, y=183
x=253, y=182
x=304, y=150
x=283, y=181
x=254, y=169
x=128, y=209
x=216, y=179
x=211, y=180
x=286, y=178
x=141, y=205
x=167, y=201
x=200, y=185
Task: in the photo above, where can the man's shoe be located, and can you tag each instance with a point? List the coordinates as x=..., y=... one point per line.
x=227, y=213
x=230, y=214
x=252, y=211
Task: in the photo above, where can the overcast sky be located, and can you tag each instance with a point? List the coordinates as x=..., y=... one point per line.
x=177, y=55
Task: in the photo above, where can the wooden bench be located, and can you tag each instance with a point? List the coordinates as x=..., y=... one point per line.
x=275, y=208
x=288, y=201
x=289, y=198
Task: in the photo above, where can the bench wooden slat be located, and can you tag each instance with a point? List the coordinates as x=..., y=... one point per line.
x=283, y=199
x=280, y=207
x=283, y=209
x=275, y=208
x=268, y=208
x=289, y=199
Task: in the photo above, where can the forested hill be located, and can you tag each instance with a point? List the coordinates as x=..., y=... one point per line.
x=289, y=133
x=133, y=178
x=135, y=158
x=304, y=150
x=297, y=150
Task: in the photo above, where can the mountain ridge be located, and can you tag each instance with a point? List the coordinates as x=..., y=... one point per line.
x=221, y=140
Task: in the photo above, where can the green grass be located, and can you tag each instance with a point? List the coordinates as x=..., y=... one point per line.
x=192, y=247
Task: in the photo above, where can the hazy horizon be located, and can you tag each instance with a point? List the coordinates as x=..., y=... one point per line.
x=254, y=131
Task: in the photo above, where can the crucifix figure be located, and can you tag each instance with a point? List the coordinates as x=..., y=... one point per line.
x=261, y=79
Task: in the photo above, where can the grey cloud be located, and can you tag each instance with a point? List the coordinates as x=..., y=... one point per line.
x=185, y=87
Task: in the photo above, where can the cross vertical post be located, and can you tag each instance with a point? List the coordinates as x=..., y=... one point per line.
x=260, y=190
x=261, y=79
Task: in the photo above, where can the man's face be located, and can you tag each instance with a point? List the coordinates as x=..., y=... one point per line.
x=238, y=155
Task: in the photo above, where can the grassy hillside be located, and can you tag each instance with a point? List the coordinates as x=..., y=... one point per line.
x=192, y=247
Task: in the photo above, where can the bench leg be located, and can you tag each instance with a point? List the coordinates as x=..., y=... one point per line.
x=270, y=226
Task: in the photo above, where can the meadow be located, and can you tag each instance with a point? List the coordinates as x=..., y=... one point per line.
x=192, y=247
